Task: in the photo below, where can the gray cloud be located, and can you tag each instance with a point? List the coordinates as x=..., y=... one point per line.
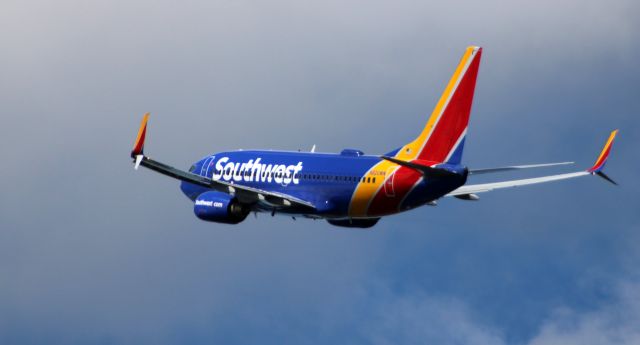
x=92, y=252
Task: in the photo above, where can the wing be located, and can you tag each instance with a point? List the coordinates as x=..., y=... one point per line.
x=514, y=167
x=468, y=191
x=487, y=187
x=244, y=193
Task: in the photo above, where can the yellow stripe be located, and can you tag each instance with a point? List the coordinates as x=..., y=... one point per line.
x=365, y=192
x=411, y=150
x=606, y=147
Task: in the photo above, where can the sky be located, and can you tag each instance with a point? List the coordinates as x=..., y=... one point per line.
x=93, y=252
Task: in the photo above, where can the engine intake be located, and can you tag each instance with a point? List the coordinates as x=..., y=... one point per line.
x=220, y=208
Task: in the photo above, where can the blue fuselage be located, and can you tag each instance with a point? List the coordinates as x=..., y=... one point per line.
x=329, y=181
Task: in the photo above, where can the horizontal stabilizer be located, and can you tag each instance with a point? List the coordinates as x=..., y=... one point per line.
x=423, y=169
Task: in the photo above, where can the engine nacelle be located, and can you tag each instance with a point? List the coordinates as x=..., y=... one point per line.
x=219, y=207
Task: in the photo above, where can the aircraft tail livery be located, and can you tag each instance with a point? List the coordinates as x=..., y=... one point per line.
x=351, y=189
x=442, y=139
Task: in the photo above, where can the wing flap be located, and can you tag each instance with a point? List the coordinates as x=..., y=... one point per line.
x=280, y=199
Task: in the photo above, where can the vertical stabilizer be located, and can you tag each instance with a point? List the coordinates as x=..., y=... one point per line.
x=442, y=139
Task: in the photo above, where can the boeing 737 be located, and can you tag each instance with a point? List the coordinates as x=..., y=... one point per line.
x=351, y=189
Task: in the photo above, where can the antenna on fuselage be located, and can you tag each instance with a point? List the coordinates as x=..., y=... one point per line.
x=313, y=148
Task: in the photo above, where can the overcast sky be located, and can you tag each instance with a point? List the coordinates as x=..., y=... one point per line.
x=93, y=252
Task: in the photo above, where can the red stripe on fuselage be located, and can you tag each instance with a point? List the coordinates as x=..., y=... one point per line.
x=403, y=181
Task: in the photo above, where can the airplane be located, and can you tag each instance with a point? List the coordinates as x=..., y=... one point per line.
x=351, y=189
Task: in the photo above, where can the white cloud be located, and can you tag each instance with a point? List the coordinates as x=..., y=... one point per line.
x=421, y=319
x=615, y=323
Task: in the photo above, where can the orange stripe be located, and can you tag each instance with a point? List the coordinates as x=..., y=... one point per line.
x=606, y=146
x=139, y=143
x=605, y=151
x=365, y=192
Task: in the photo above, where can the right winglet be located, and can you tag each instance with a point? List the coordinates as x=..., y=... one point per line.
x=138, y=146
x=596, y=169
x=602, y=159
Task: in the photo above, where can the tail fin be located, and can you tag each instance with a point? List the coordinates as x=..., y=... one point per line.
x=442, y=139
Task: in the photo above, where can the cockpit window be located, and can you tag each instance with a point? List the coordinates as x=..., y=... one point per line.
x=192, y=169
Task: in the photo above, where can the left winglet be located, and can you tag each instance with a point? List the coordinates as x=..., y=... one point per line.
x=602, y=159
x=138, y=146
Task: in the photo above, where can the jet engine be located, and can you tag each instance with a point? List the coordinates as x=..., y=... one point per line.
x=220, y=208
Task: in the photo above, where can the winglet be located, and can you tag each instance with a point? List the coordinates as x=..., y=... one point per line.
x=138, y=146
x=602, y=159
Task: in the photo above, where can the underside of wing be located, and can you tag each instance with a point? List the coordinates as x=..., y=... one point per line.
x=487, y=187
x=251, y=194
